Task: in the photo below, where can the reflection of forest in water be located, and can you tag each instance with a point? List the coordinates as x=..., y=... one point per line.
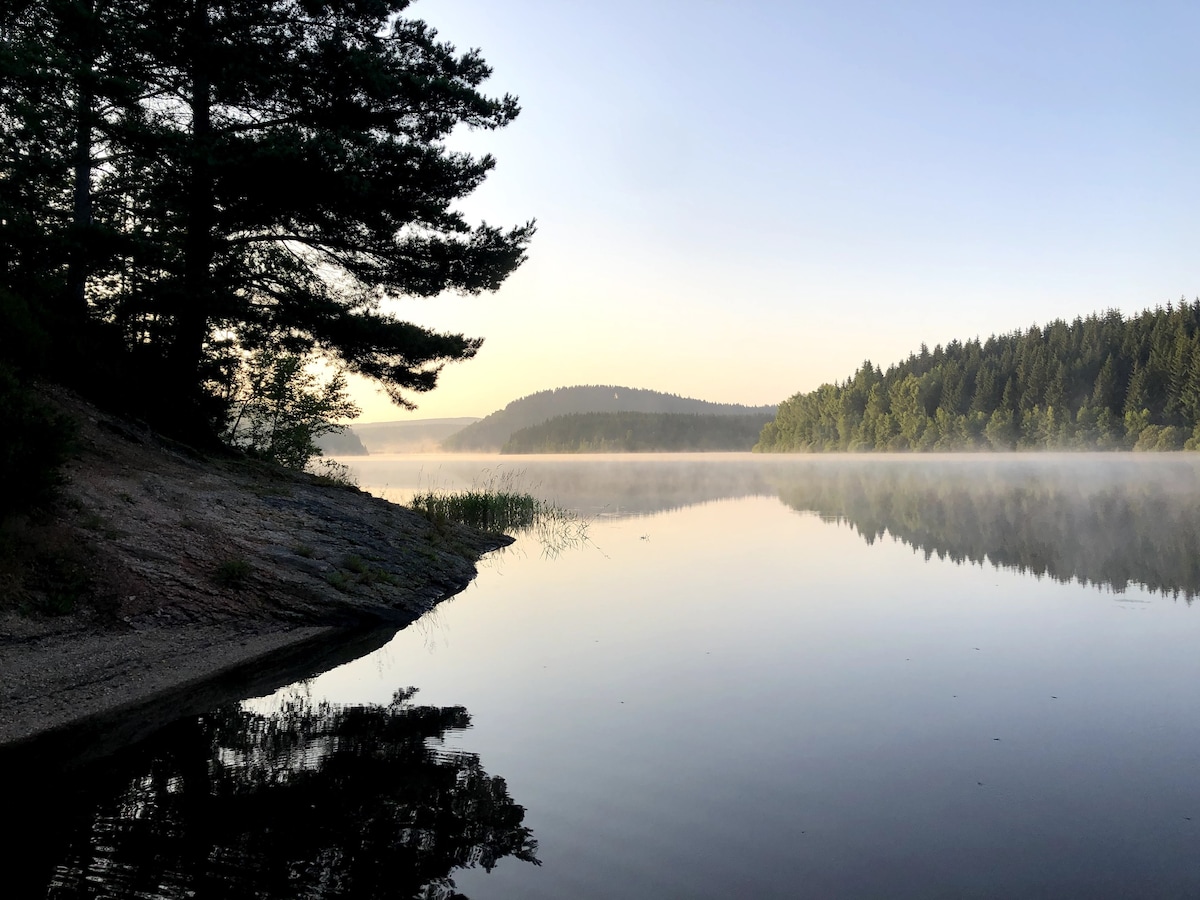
x=1103, y=520
x=649, y=486
x=310, y=801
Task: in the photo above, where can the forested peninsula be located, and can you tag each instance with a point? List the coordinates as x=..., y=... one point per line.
x=491, y=434
x=1104, y=382
x=637, y=432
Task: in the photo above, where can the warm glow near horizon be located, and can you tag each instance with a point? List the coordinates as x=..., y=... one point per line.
x=739, y=202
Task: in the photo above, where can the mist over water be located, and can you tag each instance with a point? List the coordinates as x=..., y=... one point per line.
x=1105, y=519
x=897, y=677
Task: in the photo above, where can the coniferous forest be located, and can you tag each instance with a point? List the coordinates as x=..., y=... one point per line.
x=199, y=198
x=1104, y=382
x=637, y=432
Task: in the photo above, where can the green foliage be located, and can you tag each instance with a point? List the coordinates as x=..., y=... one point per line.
x=332, y=473
x=354, y=570
x=283, y=407
x=1101, y=382
x=486, y=510
x=355, y=564
x=500, y=505
x=338, y=580
x=635, y=432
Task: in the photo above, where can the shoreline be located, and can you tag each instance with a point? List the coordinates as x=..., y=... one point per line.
x=204, y=576
x=143, y=681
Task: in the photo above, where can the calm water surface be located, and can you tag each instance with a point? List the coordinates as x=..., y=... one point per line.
x=757, y=678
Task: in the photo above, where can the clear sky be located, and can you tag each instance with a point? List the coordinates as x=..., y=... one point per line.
x=737, y=201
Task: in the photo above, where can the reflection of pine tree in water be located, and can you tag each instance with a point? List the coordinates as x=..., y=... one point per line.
x=315, y=801
x=1095, y=522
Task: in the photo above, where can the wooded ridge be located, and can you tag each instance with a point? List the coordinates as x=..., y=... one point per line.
x=491, y=433
x=636, y=432
x=1101, y=382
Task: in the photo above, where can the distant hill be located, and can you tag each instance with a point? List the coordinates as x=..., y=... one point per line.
x=637, y=432
x=341, y=443
x=412, y=436
x=493, y=432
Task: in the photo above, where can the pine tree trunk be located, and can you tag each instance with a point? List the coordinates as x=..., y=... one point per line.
x=81, y=214
x=192, y=317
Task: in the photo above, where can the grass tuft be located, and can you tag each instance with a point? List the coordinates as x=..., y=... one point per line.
x=487, y=511
x=500, y=505
x=232, y=572
x=332, y=473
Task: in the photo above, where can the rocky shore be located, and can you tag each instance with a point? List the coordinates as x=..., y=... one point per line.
x=164, y=579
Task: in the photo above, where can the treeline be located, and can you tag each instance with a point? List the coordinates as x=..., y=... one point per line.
x=634, y=432
x=199, y=198
x=1101, y=382
x=492, y=432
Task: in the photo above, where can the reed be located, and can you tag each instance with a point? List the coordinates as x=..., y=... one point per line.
x=486, y=510
x=499, y=504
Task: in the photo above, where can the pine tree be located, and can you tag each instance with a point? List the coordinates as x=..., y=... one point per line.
x=209, y=177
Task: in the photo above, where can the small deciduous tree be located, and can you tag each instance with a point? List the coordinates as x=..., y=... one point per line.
x=283, y=406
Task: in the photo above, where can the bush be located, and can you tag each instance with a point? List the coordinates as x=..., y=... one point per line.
x=281, y=407
x=34, y=442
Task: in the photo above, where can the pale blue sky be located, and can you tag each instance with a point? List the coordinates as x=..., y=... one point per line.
x=739, y=201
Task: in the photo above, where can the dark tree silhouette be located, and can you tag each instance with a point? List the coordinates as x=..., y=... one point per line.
x=185, y=180
x=315, y=800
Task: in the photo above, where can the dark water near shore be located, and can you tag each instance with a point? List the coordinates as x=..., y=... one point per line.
x=966, y=677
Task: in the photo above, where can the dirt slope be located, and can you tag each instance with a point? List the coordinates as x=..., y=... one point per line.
x=161, y=566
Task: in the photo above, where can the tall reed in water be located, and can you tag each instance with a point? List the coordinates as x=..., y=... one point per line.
x=498, y=504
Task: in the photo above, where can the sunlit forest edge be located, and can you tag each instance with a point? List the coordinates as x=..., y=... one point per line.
x=1104, y=382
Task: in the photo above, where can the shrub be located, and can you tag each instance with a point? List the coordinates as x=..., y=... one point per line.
x=34, y=442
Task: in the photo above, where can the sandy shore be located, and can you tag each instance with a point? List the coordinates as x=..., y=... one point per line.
x=57, y=680
x=194, y=577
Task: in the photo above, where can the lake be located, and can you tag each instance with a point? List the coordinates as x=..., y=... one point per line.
x=969, y=676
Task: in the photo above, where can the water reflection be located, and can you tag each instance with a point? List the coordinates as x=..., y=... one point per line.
x=886, y=728
x=312, y=800
x=1108, y=522
x=608, y=485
